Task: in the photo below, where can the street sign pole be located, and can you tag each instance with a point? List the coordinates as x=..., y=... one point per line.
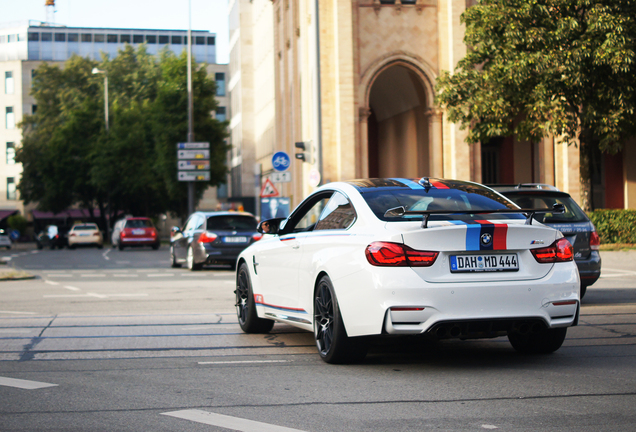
x=190, y=105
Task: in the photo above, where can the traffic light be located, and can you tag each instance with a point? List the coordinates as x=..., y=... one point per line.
x=307, y=154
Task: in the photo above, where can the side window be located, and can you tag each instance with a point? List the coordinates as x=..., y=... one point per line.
x=337, y=214
x=307, y=216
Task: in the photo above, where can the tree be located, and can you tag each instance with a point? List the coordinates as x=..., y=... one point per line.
x=69, y=158
x=537, y=68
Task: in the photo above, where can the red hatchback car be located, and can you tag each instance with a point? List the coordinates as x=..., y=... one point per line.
x=135, y=231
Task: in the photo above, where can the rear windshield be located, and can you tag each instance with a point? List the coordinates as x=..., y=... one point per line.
x=138, y=223
x=469, y=197
x=573, y=212
x=231, y=223
x=84, y=227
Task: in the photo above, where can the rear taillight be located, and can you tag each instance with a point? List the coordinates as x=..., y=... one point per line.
x=122, y=234
x=559, y=251
x=257, y=236
x=386, y=254
x=153, y=233
x=207, y=237
x=595, y=241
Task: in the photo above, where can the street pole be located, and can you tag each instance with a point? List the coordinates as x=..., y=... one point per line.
x=190, y=105
x=99, y=71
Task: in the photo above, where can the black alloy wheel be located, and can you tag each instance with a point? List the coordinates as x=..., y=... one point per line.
x=334, y=346
x=245, y=306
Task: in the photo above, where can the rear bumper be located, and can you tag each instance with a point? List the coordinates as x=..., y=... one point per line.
x=141, y=241
x=590, y=268
x=84, y=240
x=366, y=301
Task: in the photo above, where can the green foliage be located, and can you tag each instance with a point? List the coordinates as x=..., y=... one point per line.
x=17, y=222
x=69, y=158
x=615, y=226
x=546, y=67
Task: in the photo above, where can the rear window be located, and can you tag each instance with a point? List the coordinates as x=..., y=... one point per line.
x=573, y=212
x=231, y=223
x=138, y=223
x=84, y=227
x=469, y=197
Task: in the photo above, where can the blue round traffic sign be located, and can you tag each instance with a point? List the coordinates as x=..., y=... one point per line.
x=281, y=161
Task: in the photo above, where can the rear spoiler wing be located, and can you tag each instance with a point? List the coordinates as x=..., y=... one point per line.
x=529, y=213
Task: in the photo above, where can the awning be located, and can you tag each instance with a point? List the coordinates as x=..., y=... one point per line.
x=70, y=214
x=7, y=213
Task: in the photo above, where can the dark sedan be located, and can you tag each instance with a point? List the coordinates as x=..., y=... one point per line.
x=574, y=224
x=212, y=238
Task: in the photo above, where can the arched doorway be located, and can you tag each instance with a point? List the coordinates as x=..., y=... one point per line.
x=398, y=127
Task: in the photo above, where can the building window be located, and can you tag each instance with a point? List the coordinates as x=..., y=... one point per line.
x=60, y=37
x=34, y=37
x=200, y=40
x=220, y=114
x=211, y=40
x=176, y=40
x=138, y=38
x=164, y=39
x=87, y=37
x=124, y=38
x=11, y=194
x=10, y=153
x=47, y=37
x=111, y=38
x=9, y=118
x=34, y=72
x=34, y=108
x=8, y=83
x=12, y=38
x=151, y=39
x=100, y=38
x=3, y=38
x=219, y=77
x=73, y=37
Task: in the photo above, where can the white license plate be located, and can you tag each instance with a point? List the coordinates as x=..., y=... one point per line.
x=235, y=239
x=139, y=231
x=85, y=234
x=484, y=263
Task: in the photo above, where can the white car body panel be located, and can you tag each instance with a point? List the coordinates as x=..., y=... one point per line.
x=284, y=271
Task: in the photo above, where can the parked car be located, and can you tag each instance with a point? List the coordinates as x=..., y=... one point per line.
x=135, y=231
x=432, y=257
x=52, y=236
x=85, y=234
x=212, y=238
x=573, y=223
x=5, y=240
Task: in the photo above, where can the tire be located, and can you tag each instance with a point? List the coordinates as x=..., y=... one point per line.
x=245, y=307
x=155, y=246
x=334, y=346
x=583, y=291
x=100, y=246
x=173, y=258
x=544, y=342
x=39, y=246
x=120, y=247
x=71, y=246
x=192, y=266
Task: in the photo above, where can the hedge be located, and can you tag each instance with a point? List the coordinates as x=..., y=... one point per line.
x=615, y=226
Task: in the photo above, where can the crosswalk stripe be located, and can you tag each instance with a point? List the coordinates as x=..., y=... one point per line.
x=227, y=422
x=24, y=384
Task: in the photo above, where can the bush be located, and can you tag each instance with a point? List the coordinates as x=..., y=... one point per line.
x=17, y=222
x=615, y=226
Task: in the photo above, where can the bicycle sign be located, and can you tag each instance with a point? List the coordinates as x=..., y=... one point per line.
x=281, y=161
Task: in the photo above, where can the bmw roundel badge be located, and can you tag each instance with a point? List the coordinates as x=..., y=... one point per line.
x=486, y=239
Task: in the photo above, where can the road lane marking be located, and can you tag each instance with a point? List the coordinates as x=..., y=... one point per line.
x=34, y=252
x=125, y=275
x=18, y=312
x=227, y=422
x=24, y=384
x=95, y=295
x=94, y=275
x=244, y=362
x=72, y=288
x=159, y=274
x=6, y=258
x=193, y=274
x=51, y=282
x=62, y=275
x=105, y=255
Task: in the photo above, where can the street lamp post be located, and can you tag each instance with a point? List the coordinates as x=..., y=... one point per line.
x=99, y=71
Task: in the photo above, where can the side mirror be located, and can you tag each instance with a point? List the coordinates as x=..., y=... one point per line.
x=269, y=226
x=558, y=209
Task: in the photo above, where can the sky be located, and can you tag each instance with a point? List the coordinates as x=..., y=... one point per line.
x=156, y=14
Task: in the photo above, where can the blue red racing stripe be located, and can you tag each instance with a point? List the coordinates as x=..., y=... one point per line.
x=258, y=299
x=485, y=235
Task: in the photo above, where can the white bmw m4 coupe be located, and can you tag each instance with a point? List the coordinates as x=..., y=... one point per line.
x=440, y=258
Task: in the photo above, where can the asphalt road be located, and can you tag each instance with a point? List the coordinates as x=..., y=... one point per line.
x=108, y=340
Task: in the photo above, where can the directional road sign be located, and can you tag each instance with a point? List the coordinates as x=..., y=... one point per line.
x=193, y=145
x=193, y=176
x=189, y=165
x=193, y=154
